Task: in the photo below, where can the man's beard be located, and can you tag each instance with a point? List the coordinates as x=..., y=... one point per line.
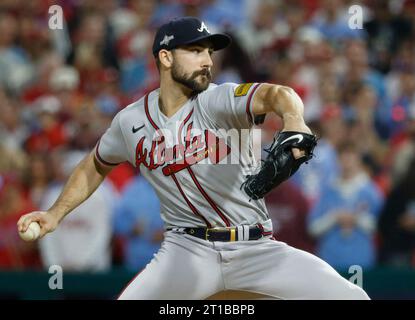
x=190, y=82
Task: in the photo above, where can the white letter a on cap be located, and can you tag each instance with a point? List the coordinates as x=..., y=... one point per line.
x=203, y=27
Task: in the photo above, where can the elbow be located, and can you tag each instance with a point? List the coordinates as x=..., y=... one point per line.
x=276, y=92
x=286, y=91
x=282, y=93
x=102, y=170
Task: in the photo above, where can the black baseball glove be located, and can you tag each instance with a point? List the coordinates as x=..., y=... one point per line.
x=280, y=163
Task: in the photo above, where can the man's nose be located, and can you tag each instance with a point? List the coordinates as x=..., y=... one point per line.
x=207, y=59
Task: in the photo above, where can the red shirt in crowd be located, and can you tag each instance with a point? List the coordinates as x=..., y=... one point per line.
x=288, y=209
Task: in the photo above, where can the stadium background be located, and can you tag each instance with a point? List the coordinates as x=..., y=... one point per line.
x=353, y=205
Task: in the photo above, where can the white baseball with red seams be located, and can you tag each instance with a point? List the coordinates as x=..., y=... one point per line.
x=32, y=232
x=204, y=191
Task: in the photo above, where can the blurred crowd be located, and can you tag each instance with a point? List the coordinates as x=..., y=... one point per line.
x=353, y=204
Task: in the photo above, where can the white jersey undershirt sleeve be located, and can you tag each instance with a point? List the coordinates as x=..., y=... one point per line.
x=111, y=148
x=229, y=105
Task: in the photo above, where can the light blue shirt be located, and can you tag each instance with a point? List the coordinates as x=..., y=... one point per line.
x=138, y=204
x=340, y=249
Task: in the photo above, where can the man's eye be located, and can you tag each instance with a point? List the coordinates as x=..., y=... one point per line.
x=195, y=50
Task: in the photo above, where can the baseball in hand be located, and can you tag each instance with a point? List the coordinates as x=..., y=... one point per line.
x=32, y=233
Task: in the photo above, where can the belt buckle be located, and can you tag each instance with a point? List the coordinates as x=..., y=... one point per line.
x=208, y=230
x=232, y=231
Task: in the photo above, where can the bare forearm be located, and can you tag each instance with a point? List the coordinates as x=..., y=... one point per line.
x=83, y=181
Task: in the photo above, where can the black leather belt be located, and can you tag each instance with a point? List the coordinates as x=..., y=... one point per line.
x=226, y=234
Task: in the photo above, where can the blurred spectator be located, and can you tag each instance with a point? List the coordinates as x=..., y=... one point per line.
x=261, y=31
x=331, y=19
x=215, y=13
x=94, y=50
x=230, y=13
x=386, y=31
x=134, y=46
x=137, y=223
x=344, y=219
x=82, y=241
x=166, y=11
x=358, y=70
x=12, y=131
x=51, y=132
x=12, y=162
x=14, y=252
x=288, y=209
x=397, y=223
x=402, y=62
x=16, y=69
x=233, y=65
x=33, y=35
x=403, y=152
x=315, y=67
x=45, y=66
x=361, y=129
x=361, y=102
x=64, y=84
x=37, y=176
x=314, y=177
x=403, y=107
x=135, y=57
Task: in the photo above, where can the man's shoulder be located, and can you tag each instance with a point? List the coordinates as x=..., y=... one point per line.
x=236, y=89
x=225, y=85
x=215, y=89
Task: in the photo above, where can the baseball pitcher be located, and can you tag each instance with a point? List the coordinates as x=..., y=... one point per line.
x=218, y=233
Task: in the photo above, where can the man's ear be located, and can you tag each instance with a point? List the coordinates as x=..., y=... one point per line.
x=166, y=58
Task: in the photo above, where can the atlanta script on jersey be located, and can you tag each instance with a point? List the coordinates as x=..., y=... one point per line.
x=186, y=157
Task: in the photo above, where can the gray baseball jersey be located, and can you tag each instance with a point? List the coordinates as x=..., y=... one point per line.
x=187, y=157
